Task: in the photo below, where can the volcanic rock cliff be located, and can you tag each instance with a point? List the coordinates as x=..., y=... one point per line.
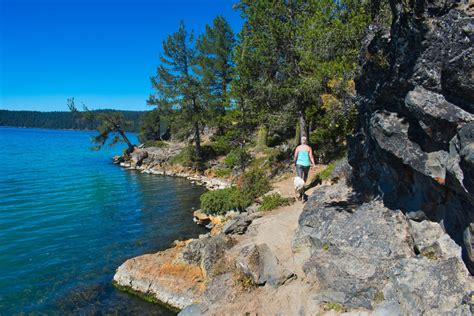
x=414, y=145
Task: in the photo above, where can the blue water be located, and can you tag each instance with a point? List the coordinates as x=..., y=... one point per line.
x=69, y=218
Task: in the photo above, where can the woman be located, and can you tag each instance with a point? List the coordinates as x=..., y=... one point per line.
x=303, y=159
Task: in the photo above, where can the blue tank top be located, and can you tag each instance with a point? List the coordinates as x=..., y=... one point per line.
x=303, y=159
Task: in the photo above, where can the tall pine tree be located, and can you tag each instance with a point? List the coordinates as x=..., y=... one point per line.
x=178, y=87
x=216, y=68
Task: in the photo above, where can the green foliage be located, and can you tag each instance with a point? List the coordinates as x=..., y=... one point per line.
x=155, y=143
x=254, y=183
x=223, y=172
x=333, y=306
x=237, y=157
x=273, y=201
x=219, y=202
x=244, y=281
x=111, y=126
x=222, y=144
x=150, y=127
x=378, y=297
x=185, y=157
x=188, y=157
x=178, y=90
x=214, y=49
x=326, y=172
x=290, y=72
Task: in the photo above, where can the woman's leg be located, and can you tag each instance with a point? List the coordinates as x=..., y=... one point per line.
x=299, y=171
x=305, y=171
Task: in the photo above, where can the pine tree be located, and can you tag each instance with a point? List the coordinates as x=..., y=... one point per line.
x=111, y=125
x=178, y=87
x=150, y=126
x=216, y=67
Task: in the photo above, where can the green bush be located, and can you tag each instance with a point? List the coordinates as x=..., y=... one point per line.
x=326, y=172
x=237, y=157
x=254, y=183
x=219, y=202
x=186, y=157
x=272, y=201
x=155, y=143
x=223, y=172
x=221, y=145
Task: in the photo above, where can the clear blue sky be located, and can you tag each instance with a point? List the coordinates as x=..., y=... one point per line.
x=102, y=52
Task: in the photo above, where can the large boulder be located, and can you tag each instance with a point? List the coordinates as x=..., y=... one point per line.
x=414, y=145
x=259, y=263
x=364, y=255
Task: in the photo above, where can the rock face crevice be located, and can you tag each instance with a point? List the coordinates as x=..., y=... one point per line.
x=414, y=143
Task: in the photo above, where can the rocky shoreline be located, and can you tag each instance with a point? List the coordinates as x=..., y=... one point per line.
x=335, y=254
x=145, y=160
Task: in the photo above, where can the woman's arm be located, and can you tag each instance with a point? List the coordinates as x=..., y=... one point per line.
x=295, y=157
x=311, y=157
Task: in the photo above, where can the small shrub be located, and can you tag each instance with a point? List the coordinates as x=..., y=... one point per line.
x=333, y=306
x=378, y=297
x=223, y=172
x=272, y=201
x=326, y=173
x=186, y=157
x=155, y=143
x=244, y=281
x=219, y=202
x=221, y=145
x=237, y=157
x=430, y=254
x=254, y=183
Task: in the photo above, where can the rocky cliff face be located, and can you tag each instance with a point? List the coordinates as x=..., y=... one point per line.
x=414, y=144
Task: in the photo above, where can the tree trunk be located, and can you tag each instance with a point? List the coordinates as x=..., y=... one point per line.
x=302, y=121
x=298, y=134
x=262, y=137
x=197, y=141
x=127, y=141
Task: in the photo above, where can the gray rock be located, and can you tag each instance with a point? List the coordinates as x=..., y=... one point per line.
x=236, y=226
x=414, y=143
x=342, y=170
x=206, y=252
x=213, y=252
x=137, y=156
x=191, y=310
x=468, y=240
x=258, y=262
x=431, y=240
x=358, y=252
x=239, y=224
x=428, y=287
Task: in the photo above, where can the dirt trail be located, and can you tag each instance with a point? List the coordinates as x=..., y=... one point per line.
x=277, y=227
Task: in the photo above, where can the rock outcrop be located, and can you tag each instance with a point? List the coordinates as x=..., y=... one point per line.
x=364, y=255
x=414, y=145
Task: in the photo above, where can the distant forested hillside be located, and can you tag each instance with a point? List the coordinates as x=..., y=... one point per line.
x=57, y=120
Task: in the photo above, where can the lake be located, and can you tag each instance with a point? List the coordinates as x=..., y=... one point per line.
x=69, y=217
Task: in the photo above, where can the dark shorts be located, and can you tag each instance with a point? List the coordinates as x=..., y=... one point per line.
x=302, y=172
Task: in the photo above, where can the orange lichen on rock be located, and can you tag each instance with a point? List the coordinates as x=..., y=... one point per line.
x=440, y=180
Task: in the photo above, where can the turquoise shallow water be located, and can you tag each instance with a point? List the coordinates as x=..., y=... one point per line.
x=69, y=218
